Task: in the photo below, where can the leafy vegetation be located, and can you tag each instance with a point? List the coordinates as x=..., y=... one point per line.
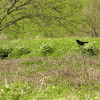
x=91, y=18
x=33, y=67
x=58, y=75
x=91, y=50
x=50, y=47
x=46, y=15
x=4, y=52
x=61, y=18
x=17, y=52
x=47, y=49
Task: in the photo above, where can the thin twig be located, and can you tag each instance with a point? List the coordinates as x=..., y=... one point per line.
x=42, y=81
x=84, y=62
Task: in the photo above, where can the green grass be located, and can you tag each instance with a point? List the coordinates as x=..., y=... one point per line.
x=60, y=75
x=60, y=46
x=63, y=92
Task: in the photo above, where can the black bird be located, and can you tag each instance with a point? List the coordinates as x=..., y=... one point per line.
x=80, y=42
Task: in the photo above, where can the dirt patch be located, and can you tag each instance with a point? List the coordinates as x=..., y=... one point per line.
x=67, y=67
x=94, y=73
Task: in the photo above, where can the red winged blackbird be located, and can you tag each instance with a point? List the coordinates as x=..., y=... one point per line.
x=80, y=42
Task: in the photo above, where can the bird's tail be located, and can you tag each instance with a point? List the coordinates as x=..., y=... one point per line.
x=85, y=42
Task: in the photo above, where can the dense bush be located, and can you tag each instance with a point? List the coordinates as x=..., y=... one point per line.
x=18, y=52
x=47, y=49
x=4, y=52
x=91, y=50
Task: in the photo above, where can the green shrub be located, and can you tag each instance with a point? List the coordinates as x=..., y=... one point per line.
x=91, y=50
x=47, y=49
x=4, y=52
x=18, y=52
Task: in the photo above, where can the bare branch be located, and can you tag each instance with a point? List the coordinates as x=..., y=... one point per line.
x=8, y=10
x=19, y=7
x=12, y=22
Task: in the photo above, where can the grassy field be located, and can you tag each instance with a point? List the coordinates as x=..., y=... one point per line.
x=50, y=69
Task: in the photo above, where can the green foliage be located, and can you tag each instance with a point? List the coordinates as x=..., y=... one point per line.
x=53, y=78
x=26, y=91
x=51, y=18
x=5, y=52
x=46, y=49
x=15, y=91
x=91, y=18
x=91, y=50
x=18, y=52
x=45, y=46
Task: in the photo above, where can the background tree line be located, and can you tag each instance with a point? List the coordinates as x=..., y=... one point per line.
x=50, y=17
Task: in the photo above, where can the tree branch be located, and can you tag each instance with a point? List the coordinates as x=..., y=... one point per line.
x=8, y=10
x=12, y=22
x=19, y=7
